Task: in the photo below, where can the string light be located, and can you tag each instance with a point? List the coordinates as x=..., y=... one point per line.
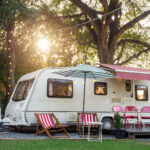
x=9, y=78
x=10, y=70
x=113, y=17
x=9, y=56
x=118, y=16
x=10, y=63
x=9, y=85
x=104, y=22
x=8, y=93
x=9, y=41
x=92, y=27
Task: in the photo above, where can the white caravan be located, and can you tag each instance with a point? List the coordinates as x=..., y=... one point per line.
x=43, y=91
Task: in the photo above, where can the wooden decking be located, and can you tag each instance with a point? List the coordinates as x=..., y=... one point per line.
x=135, y=131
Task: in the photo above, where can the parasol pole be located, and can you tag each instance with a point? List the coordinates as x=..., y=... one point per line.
x=84, y=101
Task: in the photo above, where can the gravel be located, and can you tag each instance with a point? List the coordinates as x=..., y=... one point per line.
x=30, y=134
x=23, y=135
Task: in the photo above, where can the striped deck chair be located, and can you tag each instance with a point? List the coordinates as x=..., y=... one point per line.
x=47, y=122
x=84, y=119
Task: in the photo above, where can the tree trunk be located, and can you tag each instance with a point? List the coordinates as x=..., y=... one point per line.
x=105, y=52
x=105, y=56
x=11, y=61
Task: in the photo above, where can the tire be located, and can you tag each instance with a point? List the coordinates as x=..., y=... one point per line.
x=107, y=123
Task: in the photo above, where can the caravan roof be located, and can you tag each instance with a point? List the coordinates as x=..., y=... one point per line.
x=36, y=73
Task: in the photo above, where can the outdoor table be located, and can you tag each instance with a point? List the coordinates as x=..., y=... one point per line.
x=100, y=130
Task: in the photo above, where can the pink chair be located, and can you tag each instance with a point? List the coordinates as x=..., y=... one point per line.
x=119, y=109
x=145, y=116
x=131, y=116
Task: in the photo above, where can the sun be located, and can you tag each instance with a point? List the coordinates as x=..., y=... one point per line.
x=43, y=44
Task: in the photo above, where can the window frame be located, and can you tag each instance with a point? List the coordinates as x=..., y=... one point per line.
x=57, y=80
x=136, y=97
x=105, y=83
x=24, y=90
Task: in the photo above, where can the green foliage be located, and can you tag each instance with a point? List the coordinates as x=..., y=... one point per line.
x=118, y=124
x=9, y=11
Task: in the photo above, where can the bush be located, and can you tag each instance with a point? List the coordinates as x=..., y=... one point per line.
x=118, y=124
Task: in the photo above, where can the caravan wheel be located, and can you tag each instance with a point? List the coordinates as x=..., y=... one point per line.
x=107, y=123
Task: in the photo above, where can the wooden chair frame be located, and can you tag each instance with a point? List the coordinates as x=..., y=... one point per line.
x=79, y=125
x=58, y=127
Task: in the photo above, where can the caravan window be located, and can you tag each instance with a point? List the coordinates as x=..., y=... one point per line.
x=141, y=92
x=60, y=88
x=100, y=88
x=22, y=90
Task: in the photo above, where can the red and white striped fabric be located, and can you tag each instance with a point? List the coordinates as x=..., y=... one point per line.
x=87, y=118
x=46, y=119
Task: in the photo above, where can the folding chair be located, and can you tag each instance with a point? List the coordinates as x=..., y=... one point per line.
x=50, y=124
x=145, y=116
x=84, y=120
x=131, y=116
x=119, y=109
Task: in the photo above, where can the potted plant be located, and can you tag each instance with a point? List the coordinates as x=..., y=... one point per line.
x=118, y=124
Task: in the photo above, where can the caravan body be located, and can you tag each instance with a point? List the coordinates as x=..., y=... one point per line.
x=40, y=92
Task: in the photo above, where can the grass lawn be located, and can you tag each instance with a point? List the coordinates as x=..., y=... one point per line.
x=73, y=145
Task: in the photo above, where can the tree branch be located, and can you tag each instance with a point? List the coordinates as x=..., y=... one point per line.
x=121, y=53
x=133, y=41
x=85, y=8
x=93, y=47
x=133, y=22
x=105, y=5
x=93, y=32
x=134, y=56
